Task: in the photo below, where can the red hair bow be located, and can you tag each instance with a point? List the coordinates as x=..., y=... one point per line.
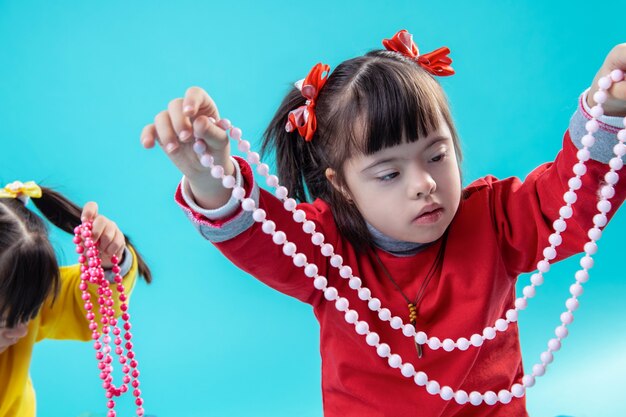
x=303, y=118
x=436, y=62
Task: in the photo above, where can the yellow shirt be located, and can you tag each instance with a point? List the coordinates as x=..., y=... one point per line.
x=63, y=319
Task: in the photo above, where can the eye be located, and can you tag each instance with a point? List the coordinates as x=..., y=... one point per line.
x=440, y=157
x=388, y=177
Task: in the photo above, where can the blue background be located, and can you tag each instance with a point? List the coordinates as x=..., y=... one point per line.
x=79, y=80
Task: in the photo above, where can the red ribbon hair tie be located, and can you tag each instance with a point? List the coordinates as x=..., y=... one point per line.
x=303, y=118
x=436, y=62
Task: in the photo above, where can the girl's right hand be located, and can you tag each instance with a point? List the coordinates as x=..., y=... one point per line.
x=175, y=130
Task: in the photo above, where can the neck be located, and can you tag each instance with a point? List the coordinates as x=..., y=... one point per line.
x=393, y=246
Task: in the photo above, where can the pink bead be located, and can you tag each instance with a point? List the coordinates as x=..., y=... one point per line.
x=199, y=146
x=224, y=124
x=206, y=160
x=617, y=75
x=235, y=133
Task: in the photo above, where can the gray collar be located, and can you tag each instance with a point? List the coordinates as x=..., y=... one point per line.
x=395, y=247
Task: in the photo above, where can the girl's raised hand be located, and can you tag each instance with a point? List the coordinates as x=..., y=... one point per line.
x=175, y=130
x=105, y=232
x=616, y=102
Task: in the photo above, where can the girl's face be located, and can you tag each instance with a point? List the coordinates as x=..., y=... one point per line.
x=409, y=192
x=11, y=335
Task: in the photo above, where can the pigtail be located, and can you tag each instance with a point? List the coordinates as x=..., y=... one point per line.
x=65, y=215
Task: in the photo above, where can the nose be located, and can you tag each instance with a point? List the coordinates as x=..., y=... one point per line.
x=421, y=184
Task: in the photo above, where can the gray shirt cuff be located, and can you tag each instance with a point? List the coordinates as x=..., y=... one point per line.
x=125, y=265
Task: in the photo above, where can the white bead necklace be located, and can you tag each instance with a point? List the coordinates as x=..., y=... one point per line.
x=475, y=340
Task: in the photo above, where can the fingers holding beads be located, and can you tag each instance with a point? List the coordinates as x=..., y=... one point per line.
x=611, y=73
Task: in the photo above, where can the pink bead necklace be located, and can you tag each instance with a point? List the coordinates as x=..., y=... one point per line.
x=361, y=327
x=92, y=272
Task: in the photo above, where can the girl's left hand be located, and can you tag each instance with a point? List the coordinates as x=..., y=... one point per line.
x=105, y=232
x=616, y=102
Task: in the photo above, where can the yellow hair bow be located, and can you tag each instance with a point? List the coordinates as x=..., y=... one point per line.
x=18, y=189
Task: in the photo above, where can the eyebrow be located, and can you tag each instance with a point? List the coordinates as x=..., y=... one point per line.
x=433, y=141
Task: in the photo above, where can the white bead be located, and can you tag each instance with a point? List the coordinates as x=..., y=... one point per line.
x=616, y=75
x=345, y=271
x=239, y=193
x=567, y=317
x=546, y=357
x=505, y=396
x=594, y=234
x=355, y=283
x=489, y=333
x=421, y=338
x=448, y=345
x=396, y=322
x=336, y=261
x=462, y=343
x=511, y=315
x=619, y=149
x=243, y=146
x=351, y=316
x=327, y=250
x=476, y=340
x=555, y=239
x=549, y=253
x=432, y=387
x=279, y=238
x=543, y=266
x=600, y=97
x=592, y=126
x=590, y=248
x=475, y=398
x=570, y=197
x=248, y=204
x=539, y=369
x=317, y=238
x=446, y=393
x=461, y=397
x=362, y=327
x=320, y=283
x=281, y=192
x=434, y=343
x=616, y=163
x=566, y=212
x=521, y=303
x=408, y=370
x=289, y=248
x=529, y=291
x=383, y=350
x=561, y=332
x=217, y=171
x=290, y=204
x=607, y=191
x=299, y=216
x=621, y=135
x=308, y=227
x=559, y=225
x=596, y=111
x=420, y=378
x=374, y=304
x=536, y=279
x=229, y=181
x=408, y=330
x=575, y=183
x=253, y=158
x=554, y=345
x=310, y=270
x=580, y=168
x=600, y=220
x=572, y=304
x=586, y=262
x=588, y=140
x=268, y=226
x=528, y=381
x=576, y=290
x=490, y=398
x=299, y=259
x=501, y=325
x=341, y=304
x=258, y=215
x=372, y=338
x=365, y=294
x=605, y=82
x=517, y=390
x=331, y=294
x=263, y=169
x=582, y=276
x=610, y=177
x=384, y=314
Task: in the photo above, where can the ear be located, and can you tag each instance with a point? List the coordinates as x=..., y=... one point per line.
x=331, y=176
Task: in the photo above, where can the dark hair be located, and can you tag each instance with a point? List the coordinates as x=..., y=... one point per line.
x=29, y=272
x=368, y=103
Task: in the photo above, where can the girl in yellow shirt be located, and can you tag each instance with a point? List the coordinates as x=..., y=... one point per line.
x=39, y=299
